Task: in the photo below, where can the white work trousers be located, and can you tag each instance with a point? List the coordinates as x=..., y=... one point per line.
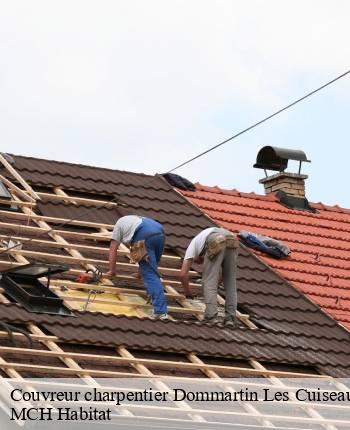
x=224, y=263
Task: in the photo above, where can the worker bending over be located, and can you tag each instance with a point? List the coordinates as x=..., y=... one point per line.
x=146, y=238
x=217, y=249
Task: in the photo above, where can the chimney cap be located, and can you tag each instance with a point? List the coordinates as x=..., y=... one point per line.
x=273, y=158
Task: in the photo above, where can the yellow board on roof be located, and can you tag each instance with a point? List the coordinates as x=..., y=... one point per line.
x=91, y=301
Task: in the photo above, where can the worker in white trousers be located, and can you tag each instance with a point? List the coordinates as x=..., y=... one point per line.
x=217, y=249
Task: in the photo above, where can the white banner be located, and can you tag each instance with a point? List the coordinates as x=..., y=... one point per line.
x=175, y=403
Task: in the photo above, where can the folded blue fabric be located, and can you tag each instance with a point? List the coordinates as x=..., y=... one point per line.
x=266, y=244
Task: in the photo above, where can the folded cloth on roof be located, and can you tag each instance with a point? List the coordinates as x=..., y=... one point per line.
x=179, y=181
x=266, y=244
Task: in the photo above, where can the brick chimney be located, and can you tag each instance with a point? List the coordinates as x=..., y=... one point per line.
x=289, y=187
x=291, y=183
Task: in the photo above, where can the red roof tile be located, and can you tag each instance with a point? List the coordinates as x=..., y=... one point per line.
x=319, y=264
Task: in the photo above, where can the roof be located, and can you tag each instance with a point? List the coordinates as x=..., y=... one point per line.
x=319, y=264
x=291, y=328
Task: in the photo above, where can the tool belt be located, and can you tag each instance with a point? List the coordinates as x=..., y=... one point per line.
x=138, y=250
x=216, y=244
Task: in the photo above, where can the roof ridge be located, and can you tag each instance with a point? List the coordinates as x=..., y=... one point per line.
x=268, y=197
x=82, y=165
x=283, y=210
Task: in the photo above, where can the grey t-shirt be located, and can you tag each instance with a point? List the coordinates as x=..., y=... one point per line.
x=197, y=244
x=125, y=227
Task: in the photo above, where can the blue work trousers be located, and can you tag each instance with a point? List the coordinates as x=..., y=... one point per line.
x=149, y=267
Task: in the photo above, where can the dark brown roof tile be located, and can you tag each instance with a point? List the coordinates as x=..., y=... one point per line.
x=184, y=337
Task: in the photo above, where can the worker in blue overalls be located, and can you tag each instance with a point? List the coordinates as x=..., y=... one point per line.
x=146, y=238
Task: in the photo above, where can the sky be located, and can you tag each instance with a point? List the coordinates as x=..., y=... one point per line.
x=143, y=85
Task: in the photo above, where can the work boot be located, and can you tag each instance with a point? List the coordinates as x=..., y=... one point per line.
x=212, y=320
x=155, y=316
x=229, y=321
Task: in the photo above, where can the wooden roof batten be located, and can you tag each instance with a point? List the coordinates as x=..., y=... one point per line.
x=13, y=172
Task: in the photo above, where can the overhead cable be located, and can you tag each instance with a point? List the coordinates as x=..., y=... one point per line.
x=260, y=122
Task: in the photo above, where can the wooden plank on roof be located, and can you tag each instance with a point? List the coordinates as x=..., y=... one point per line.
x=18, y=177
x=75, y=200
x=54, y=244
x=105, y=288
x=17, y=203
x=196, y=364
x=14, y=189
x=84, y=260
x=55, y=220
x=32, y=336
